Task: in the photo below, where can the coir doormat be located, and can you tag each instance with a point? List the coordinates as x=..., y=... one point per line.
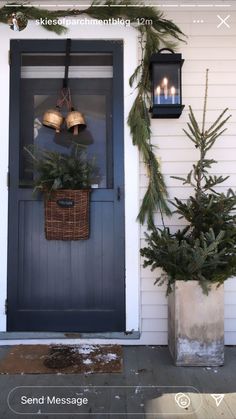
x=64, y=359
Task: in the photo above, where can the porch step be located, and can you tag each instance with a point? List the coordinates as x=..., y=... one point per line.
x=73, y=335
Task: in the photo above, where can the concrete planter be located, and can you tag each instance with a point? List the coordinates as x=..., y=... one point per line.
x=196, y=325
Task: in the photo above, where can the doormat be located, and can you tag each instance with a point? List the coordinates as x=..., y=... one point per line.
x=62, y=359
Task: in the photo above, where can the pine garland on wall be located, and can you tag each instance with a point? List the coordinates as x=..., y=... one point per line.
x=155, y=32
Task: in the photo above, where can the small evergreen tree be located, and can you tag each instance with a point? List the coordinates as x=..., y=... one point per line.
x=205, y=250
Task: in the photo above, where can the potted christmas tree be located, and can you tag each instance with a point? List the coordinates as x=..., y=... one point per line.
x=197, y=259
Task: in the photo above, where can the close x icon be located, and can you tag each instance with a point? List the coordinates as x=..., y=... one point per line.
x=223, y=21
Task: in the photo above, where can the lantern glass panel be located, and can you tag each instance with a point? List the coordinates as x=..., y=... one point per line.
x=166, y=84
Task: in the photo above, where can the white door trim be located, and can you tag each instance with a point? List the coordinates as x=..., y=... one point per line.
x=132, y=235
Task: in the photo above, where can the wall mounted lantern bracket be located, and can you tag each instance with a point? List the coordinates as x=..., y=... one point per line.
x=166, y=79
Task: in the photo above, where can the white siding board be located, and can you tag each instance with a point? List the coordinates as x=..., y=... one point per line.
x=229, y=325
x=212, y=115
x=157, y=297
x=230, y=182
x=153, y=338
x=230, y=285
x=200, y=65
x=172, y=128
x=214, y=91
x=230, y=297
x=175, y=183
x=149, y=285
x=182, y=141
x=181, y=193
x=230, y=338
x=176, y=168
x=203, y=53
x=155, y=311
x=219, y=103
x=230, y=311
x=146, y=273
x=176, y=155
x=216, y=78
x=207, y=47
x=154, y=325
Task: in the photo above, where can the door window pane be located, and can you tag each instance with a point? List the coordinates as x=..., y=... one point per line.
x=93, y=137
x=90, y=96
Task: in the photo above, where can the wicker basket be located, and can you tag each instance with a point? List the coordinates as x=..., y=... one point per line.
x=67, y=215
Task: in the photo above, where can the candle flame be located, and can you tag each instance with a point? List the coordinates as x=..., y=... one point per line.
x=158, y=90
x=172, y=90
x=165, y=81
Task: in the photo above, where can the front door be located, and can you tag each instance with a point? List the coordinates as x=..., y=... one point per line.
x=75, y=286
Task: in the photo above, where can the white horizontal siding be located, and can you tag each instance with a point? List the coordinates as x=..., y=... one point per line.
x=174, y=128
x=191, y=154
x=176, y=168
x=199, y=65
x=154, y=311
x=207, y=47
x=182, y=142
x=154, y=338
x=154, y=325
x=230, y=338
x=175, y=183
x=216, y=79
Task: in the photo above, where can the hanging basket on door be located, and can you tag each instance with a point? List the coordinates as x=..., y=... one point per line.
x=65, y=181
x=67, y=214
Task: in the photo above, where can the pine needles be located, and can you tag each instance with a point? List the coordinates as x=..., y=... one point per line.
x=205, y=249
x=59, y=171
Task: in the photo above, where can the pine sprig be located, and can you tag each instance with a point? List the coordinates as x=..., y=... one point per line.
x=59, y=171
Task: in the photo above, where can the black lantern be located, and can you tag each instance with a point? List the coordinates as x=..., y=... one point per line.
x=165, y=73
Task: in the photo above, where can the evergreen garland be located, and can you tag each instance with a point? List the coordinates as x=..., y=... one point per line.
x=161, y=32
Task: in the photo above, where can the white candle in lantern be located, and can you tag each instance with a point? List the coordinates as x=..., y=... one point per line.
x=158, y=91
x=172, y=91
x=165, y=82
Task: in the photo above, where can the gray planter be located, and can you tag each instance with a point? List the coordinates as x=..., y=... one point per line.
x=196, y=325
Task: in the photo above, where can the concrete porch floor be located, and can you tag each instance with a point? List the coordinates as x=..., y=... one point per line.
x=143, y=366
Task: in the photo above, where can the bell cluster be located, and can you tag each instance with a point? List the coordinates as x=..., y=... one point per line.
x=74, y=120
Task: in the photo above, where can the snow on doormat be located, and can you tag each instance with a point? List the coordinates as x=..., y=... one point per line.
x=64, y=359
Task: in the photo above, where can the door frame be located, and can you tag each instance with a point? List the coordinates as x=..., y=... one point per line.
x=130, y=39
x=17, y=193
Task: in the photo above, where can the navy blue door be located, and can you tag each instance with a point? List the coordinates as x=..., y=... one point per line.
x=73, y=286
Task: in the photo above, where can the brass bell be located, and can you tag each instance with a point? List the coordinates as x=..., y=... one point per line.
x=75, y=122
x=53, y=118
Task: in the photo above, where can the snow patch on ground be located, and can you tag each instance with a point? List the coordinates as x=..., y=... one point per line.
x=87, y=361
x=107, y=357
x=85, y=349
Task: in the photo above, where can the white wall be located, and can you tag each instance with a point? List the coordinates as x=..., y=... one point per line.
x=207, y=47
